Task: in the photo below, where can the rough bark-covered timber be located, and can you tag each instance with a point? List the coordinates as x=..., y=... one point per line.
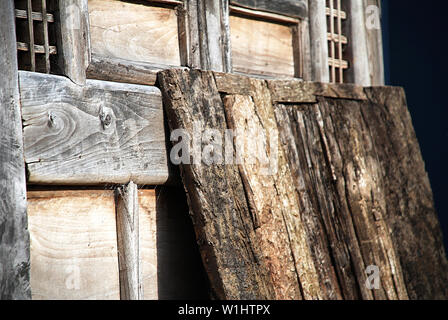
x=14, y=236
x=350, y=192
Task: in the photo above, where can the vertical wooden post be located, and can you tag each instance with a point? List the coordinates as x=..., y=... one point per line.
x=372, y=9
x=319, y=42
x=14, y=236
x=131, y=287
x=358, y=71
x=73, y=39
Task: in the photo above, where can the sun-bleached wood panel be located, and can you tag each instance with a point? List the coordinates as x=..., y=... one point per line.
x=73, y=245
x=261, y=47
x=148, y=243
x=134, y=31
x=101, y=133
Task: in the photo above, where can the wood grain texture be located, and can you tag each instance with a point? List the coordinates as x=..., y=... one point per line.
x=73, y=39
x=289, y=91
x=319, y=41
x=134, y=31
x=14, y=236
x=374, y=38
x=266, y=50
x=292, y=8
x=221, y=217
x=356, y=49
x=148, y=244
x=128, y=234
x=280, y=230
x=119, y=70
x=73, y=245
x=350, y=192
x=102, y=133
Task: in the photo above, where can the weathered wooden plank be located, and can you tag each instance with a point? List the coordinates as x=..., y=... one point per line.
x=292, y=91
x=134, y=31
x=73, y=245
x=410, y=215
x=292, y=8
x=345, y=213
x=101, y=133
x=318, y=41
x=127, y=208
x=266, y=50
x=356, y=49
x=125, y=71
x=222, y=219
x=148, y=234
x=73, y=39
x=269, y=187
x=372, y=9
x=289, y=91
x=14, y=236
x=296, y=91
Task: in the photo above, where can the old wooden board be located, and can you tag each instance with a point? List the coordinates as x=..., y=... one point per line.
x=14, y=237
x=101, y=133
x=292, y=8
x=148, y=243
x=343, y=212
x=135, y=31
x=266, y=50
x=73, y=245
x=222, y=220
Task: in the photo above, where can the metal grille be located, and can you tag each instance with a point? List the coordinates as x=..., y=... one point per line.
x=36, y=43
x=336, y=17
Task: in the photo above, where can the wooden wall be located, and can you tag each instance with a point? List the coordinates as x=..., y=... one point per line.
x=74, y=251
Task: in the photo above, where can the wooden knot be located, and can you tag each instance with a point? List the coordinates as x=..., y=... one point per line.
x=51, y=119
x=105, y=117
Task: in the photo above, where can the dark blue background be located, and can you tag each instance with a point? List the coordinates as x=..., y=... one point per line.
x=415, y=51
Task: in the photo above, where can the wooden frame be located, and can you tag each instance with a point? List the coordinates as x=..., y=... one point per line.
x=292, y=14
x=113, y=69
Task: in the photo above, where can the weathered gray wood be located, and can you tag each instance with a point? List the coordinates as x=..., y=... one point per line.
x=101, y=133
x=127, y=204
x=214, y=34
x=357, y=51
x=73, y=39
x=318, y=41
x=372, y=9
x=292, y=8
x=192, y=31
x=118, y=70
x=14, y=236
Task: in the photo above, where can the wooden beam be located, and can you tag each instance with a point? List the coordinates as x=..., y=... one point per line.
x=73, y=39
x=357, y=51
x=14, y=236
x=131, y=282
x=291, y=8
x=125, y=71
x=374, y=38
x=318, y=41
x=102, y=133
